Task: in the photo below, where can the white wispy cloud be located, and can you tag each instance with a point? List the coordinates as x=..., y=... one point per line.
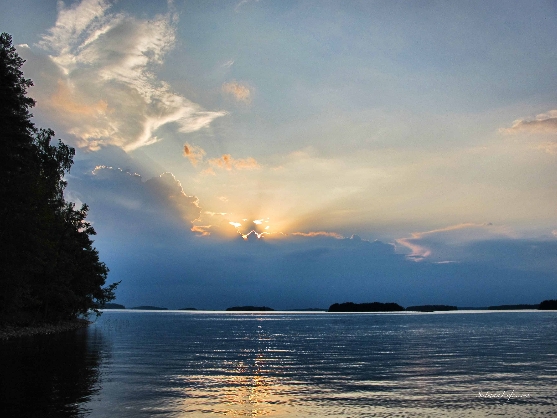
x=543, y=124
x=242, y=3
x=420, y=249
x=318, y=234
x=80, y=24
x=108, y=92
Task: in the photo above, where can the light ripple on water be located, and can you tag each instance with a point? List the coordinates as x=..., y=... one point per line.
x=336, y=366
x=199, y=364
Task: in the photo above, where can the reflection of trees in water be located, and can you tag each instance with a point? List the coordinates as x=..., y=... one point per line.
x=50, y=375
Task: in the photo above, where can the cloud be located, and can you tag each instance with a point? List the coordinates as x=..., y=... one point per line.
x=158, y=204
x=533, y=255
x=108, y=93
x=223, y=224
x=549, y=147
x=148, y=245
x=215, y=274
x=197, y=154
x=226, y=162
x=64, y=99
x=201, y=230
x=242, y=3
x=85, y=20
x=318, y=234
x=169, y=188
x=417, y=252
x=216, y=225
x=542, y=124
x=209, y=172
x=251, y=229
x=240, y=92
x=420, y=248
x=194, y=153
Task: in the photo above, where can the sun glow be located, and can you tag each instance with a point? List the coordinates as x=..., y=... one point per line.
x=253, y=228
x=255, y=233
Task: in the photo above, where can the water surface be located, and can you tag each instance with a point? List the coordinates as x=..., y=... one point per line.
x=193, y=364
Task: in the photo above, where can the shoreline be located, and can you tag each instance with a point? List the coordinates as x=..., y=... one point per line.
x=10, y=331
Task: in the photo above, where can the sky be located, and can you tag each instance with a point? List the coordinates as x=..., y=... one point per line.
x=294, y=154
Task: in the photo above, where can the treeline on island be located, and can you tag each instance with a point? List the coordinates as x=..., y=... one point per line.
x=49, y=269
x=395, y=307
x=360, y=307
x=513, y=307
x=365, y=307
x=548, y=305
x=386, y=307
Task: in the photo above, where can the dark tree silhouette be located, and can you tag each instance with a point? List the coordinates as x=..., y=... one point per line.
x=49, y=269
x=365, y=307
x=548, y=305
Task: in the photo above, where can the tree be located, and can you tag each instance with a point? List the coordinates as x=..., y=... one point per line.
x=17, y=188
x=365, y=307
x=548, y=305
x=49, y=269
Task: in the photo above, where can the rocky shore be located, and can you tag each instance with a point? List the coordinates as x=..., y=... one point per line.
x=8, y=332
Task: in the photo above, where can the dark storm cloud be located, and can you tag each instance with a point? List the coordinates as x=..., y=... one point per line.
x=123, y=203
x=309, y=272
x=145, y=238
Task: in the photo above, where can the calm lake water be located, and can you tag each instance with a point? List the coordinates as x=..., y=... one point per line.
x=194, y=364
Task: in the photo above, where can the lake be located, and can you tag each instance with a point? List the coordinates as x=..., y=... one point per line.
x=203, y=364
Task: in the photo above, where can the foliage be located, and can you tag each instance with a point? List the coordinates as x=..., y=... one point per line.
x=548, y=305
x=365, y=307
x=49, y=269
x=113, y=306
x=512, y=307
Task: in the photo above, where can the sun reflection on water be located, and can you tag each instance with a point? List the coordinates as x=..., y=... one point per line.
x=284, y=365
x=250, y=385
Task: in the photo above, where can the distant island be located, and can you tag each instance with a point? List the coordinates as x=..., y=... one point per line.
x=431, y=308
x=548, y=305
x=512, y=307
x=309, y=310
x=365, y=307
x=112, y=306
x=472, y=308
x=359, y=307
x=249, y=308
